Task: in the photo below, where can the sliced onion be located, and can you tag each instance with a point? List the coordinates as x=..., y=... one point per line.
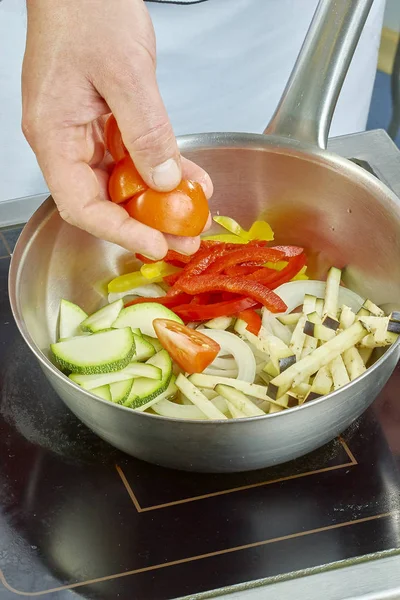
x=152, y=290
x=293, y=293
x=166, y=408
x=244, y=358
x=224, y=363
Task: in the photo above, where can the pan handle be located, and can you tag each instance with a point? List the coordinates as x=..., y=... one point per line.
x=308, y=102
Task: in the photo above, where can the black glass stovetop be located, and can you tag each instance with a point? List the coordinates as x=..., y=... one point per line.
x=80, y=519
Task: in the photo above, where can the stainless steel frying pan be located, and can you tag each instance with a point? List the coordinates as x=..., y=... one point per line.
x=341, y=214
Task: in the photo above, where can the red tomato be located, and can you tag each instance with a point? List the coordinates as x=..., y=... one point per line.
x=113, y=139
x=184, y=211
x=125, y=181
x=191, y=350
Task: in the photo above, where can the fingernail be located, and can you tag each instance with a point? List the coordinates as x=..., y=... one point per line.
x=167, y=175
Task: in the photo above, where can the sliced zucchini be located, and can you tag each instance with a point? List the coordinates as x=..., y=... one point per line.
x=299, y=337
x=137, y=331
x=143, y=389
x=103, y=318
x=339, y=373
x=99, y=353
x=120, y=390
x=143, y=349
x=309, y=304
x=102, y=392
x=143, y=315
x=71, y=316
x=332, y=292
x=354, y=363
x=154, y=342
x=170, y=392
x=239, y=400
x=373, y=308
x=289, y=320
x=322, y=356
x=198, y=399
x=250, y=389
x=221, y=323
x=132, y=371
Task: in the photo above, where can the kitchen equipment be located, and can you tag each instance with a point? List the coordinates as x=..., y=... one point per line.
x=312, y=198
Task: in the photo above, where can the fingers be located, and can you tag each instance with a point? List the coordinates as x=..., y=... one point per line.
x=134, y=98
x=80, y=194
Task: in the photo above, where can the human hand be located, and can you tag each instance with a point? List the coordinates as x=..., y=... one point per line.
x=84, y=60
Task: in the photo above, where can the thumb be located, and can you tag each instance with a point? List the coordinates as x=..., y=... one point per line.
x=146, y=131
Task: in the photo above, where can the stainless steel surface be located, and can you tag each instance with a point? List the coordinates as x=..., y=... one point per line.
x=343, y=215
x=370, y=578
x=376, y=148
x=306, y=109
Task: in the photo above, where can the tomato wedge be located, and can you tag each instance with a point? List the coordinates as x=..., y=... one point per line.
x=125, y=181
x=184, y=211
x=191, y=350
x=113, y=139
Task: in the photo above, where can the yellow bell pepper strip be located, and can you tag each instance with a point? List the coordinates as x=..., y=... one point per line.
x=278, y=266
x=231, y=225
x=260, y=230
x=123, y=283
x=158, y=269
x=301, y=275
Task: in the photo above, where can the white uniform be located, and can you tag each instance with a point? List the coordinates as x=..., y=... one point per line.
x=222, y=66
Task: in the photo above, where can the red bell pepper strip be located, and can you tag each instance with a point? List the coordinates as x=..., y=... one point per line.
x=229, y=246
x=236, y=285
x=169, y=302
x=197, y=312
x=197, y=265
x=173, y=278
x=243, y=270
x=277, y=278
x=243, y=255
x=201, y=299
x=252, y=319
